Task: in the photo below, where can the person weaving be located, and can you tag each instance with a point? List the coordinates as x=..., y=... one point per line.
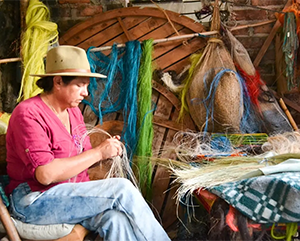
x=47, y=162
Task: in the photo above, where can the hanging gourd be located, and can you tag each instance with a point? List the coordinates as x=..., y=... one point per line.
x=214, y=97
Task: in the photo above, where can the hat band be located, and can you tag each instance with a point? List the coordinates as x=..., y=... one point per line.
x=71, y=70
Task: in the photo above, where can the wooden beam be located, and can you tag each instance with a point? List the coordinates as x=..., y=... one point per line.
x=286, y=101
x=9, y=60
x=269, y=39
x=23, y=10
x=124, y=29
x=251, y=25
x=288, y=114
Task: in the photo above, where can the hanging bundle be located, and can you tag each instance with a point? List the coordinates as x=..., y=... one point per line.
x=119, y=91
x=290, y=48
x=267, y=113
x=40, y=32
x=293, y=8
x=227, y=109
x=145, y=116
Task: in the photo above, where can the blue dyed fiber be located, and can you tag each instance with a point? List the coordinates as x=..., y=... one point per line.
x=221, y=144
x=209, y=100
x=119, y=90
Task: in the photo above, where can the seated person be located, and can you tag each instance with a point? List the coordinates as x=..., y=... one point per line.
x=47, y=162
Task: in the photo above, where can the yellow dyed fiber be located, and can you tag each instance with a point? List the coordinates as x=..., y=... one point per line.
x=291, y=231
x=39, y=34
x=194, y=61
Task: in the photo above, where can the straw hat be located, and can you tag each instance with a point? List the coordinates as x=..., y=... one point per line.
x=68, y=60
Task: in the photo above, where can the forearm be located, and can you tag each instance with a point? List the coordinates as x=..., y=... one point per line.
x=61, y=169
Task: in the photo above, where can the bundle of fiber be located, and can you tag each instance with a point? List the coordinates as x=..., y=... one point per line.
x=39, y=35
x=215, y=99
x=273, y=118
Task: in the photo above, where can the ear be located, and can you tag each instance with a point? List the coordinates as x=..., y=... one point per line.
x=57, y=82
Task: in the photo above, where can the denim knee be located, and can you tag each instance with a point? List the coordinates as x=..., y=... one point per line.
x=114, y=217
x=124, y=184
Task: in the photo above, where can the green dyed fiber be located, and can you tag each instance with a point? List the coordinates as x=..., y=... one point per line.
x=40, y=32
x=187, y=82
x=145, y=117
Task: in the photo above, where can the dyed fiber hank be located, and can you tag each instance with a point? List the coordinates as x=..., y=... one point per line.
x=145, y=116
x=39, y=34
x=119, y=91
x=290, y=48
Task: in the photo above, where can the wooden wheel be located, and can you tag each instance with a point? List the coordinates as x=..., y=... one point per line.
x=125, y=24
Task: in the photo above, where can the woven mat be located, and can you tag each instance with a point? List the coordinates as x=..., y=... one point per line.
x=265, y=199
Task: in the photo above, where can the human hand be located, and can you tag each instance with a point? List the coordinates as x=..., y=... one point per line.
x=110, y=148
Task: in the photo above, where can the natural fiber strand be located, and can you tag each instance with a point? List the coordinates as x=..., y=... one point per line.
x=229, y=169
x=184, y=107
x=285, y=143
x=39, y=34
x=120, y=165
x=145, y=116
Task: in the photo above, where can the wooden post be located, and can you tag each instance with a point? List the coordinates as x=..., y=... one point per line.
x=8, y=223
x=288, y=114
x=23, y=9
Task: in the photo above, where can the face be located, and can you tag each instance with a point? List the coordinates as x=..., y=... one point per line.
x=73, y=93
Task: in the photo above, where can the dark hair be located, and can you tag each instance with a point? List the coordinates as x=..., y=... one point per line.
x=46, y=83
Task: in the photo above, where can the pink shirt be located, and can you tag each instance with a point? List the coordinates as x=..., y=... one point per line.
x=35, y=136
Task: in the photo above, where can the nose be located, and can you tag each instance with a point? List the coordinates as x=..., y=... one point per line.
x=85, y=91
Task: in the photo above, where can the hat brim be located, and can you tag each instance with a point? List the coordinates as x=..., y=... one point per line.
x=91, y=75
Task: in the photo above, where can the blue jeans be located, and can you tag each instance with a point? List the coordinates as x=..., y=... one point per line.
x=113, y=208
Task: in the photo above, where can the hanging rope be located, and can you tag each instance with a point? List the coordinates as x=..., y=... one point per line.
x=40, y=32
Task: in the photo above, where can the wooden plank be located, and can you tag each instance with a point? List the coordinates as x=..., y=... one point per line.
x=168, y=212
x=112, y=34
x=161, y=31
x=180, y=53
x=147, y=27
x=169, y=216
x=162, y=48
x=169, y=124
x=288, y=102
x=159, y=186
x=134, y=12
x=139, y=31
x=164, y=31
x=169, y=95
x=88, y=32
x=161, y=177
x=163, y=110
x=179, y=66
